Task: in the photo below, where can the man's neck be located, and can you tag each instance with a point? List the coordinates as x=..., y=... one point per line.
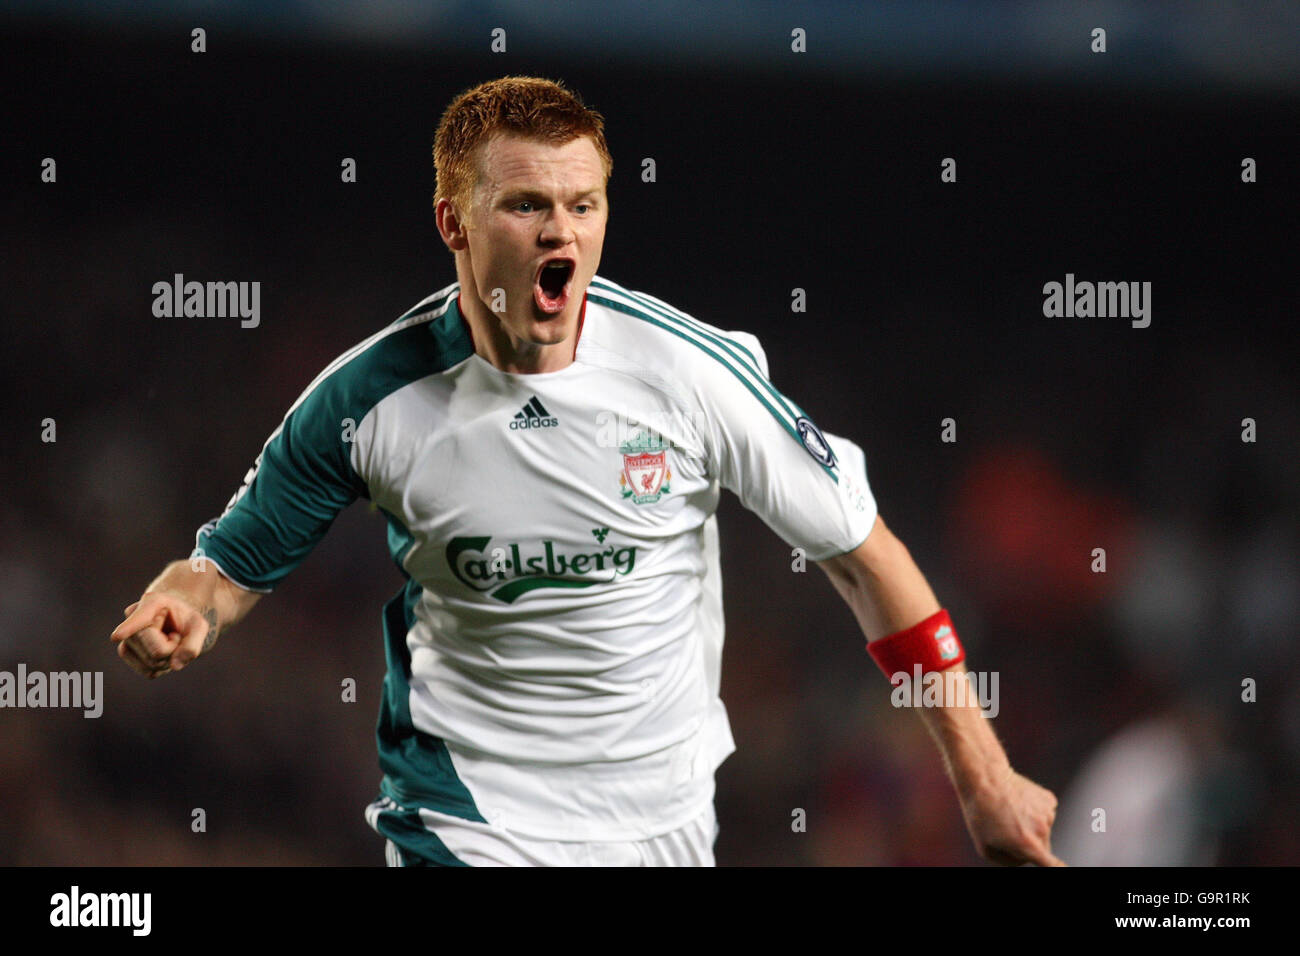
x=502, y=350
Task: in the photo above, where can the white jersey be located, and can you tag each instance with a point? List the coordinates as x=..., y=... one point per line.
x=553, y=660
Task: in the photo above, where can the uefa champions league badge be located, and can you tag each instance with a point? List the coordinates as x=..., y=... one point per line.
x=646, y=474
x=815, y=442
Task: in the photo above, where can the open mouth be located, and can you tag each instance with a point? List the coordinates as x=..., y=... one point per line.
x=551, y=285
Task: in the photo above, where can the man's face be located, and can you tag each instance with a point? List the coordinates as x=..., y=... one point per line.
x=534, y=204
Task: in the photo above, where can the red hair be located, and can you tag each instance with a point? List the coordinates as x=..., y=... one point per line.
x=524, y=105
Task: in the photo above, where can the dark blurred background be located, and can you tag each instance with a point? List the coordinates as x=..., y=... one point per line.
x=775, y=170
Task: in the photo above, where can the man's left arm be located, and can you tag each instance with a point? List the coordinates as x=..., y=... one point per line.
x=1009, y=816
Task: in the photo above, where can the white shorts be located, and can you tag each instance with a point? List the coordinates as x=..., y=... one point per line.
x=420, y=837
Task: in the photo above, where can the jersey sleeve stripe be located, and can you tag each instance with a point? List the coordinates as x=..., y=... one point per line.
x=654, y=306
x=642, y=309
x=749, y=363
x=669, y=311
x=782, y=417
x=429, y=304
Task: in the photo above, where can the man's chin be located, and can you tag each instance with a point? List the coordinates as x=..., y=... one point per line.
x=551, y=328
x=554, y=334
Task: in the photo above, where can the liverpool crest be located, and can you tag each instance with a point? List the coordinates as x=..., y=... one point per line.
x=947, y=642
x=646, y=473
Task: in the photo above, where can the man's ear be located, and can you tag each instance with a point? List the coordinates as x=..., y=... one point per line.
x=450, y=225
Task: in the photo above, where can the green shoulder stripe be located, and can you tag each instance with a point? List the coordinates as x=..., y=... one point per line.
x=432, y=305
x=726, y=362
x=735, y=349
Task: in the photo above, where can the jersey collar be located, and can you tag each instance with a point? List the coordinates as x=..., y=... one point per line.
x=469, y=333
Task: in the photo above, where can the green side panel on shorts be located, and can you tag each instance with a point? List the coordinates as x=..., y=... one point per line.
x=418, y=845
x=418, y=771
x=304, y=476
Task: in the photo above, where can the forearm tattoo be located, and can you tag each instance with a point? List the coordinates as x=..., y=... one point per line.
x=210, y=615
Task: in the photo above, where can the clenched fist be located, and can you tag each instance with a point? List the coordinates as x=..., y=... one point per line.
x=163, y=632
x=1010, y=819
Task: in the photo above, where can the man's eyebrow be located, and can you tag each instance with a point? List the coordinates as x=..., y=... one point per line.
x=526, y=192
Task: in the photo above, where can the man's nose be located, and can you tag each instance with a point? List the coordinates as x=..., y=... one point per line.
x=558, y=229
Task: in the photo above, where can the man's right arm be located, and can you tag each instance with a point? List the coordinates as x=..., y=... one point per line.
x=303, y=477
x=179, y=617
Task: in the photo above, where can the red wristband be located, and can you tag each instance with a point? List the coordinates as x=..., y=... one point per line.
x=932, y=643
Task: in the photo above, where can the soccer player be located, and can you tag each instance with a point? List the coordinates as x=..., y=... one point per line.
x=549, y=448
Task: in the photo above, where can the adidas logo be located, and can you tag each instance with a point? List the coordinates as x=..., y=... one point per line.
x=533, y=415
